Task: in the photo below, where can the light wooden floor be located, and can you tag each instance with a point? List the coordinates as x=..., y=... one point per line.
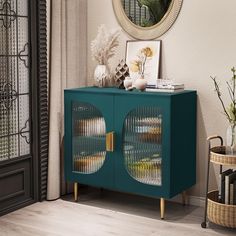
x=107, y=214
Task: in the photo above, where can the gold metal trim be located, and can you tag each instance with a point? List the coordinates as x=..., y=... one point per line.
x=162, y=206
x=76, y=191
x=110, y=141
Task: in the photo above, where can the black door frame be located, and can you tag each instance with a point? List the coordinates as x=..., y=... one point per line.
x=40, y=98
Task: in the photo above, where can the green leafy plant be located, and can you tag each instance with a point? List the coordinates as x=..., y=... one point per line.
x=157, y=9
x=230, y=111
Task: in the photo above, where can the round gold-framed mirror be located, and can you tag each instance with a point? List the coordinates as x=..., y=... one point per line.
x=146, y=19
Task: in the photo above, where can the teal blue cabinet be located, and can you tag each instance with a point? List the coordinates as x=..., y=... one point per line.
x=137, y=142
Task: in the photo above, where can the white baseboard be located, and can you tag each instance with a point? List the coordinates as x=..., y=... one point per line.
x=191, y=200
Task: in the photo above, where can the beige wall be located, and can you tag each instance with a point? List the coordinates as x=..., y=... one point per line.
x=201, y=43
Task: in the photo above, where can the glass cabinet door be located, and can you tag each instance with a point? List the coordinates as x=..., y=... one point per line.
x=88, y=138
x=88, y=124
x=142, y=149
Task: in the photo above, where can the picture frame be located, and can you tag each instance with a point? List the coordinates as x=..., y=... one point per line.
x=143, y=58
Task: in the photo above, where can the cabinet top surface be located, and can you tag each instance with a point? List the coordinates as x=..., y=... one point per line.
x=124, y=92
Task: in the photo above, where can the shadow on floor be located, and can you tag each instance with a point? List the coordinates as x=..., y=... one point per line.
x=136, y=205
x=144, y=207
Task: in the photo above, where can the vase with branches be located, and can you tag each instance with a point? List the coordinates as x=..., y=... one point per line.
x=144, y=55
x=229, y=111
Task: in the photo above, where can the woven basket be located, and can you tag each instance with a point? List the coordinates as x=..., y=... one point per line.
x=218, y=156
x=221, y=214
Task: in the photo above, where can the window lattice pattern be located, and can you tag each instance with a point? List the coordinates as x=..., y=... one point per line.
x=14, y=79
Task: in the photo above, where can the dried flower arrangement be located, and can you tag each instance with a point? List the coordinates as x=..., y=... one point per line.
x=104, y=45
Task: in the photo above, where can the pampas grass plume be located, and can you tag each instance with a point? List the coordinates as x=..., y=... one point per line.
x=104, y=45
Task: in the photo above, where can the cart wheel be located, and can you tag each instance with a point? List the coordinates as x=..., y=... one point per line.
x=203, y=224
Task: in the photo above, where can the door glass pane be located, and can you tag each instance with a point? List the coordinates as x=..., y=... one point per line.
x=88, y=137
x=24, y=143
x=23, y=7
x=14, y=80
x=13, y=146
x=142, y=139
x=4, y=149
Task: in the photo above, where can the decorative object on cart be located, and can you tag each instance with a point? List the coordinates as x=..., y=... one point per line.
x=215, y=209
x=121, y=72
x=146, y=19
x=103, y=48
x=135, y=148
x=229, y=111
x=143, y=59
x=230, y=197
x=222, y=186
x=128, y=83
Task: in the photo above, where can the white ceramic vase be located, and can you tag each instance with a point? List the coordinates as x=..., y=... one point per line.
x=140, y=83
x=128, y=83
x=101, y=74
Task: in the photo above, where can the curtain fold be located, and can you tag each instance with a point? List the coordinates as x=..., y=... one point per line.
x=68, y=43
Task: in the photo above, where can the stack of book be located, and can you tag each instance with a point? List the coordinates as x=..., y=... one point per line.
x=227, y=187
x=162, y=87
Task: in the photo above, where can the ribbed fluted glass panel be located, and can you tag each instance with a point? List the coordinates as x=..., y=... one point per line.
x=89, y=138
x=142, y=139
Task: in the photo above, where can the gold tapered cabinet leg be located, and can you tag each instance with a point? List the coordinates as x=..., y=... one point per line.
x=162, y=207
x=76, y=191
x=184, y=198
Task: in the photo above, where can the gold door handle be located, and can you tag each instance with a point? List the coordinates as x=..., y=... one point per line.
x=110, y=141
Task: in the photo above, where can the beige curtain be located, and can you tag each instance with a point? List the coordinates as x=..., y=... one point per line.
x=67, y=69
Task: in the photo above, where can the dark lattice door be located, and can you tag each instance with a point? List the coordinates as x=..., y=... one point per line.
x=15, y=104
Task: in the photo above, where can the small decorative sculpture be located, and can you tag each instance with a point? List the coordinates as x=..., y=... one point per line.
x=122, y=71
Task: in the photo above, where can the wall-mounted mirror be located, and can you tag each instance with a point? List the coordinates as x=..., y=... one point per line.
x=146, y=19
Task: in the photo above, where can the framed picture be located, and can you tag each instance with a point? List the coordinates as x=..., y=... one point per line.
x=143, y=58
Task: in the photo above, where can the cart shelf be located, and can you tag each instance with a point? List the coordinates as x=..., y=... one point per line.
x=216, y=212
x=218, y=156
